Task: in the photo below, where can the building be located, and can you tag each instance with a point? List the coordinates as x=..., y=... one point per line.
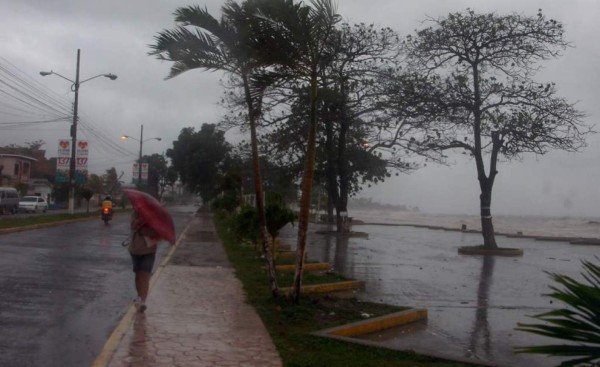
x=40, y=187
x=15, y=168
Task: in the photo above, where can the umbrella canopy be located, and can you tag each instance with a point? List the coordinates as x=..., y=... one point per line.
x=152, y=213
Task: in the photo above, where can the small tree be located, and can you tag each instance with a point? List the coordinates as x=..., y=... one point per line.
x=277, y=214
x=488, y=105
x=87, y=194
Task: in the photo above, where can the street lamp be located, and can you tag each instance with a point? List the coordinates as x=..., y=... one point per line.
x=142, y=141
x=75, y=88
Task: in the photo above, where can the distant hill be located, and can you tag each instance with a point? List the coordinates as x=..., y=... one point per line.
x=369, y=204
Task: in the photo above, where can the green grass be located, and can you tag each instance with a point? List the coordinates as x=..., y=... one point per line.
x=7, y=221
x=290, y=324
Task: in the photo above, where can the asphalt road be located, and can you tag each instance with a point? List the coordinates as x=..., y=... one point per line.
x=64, y=289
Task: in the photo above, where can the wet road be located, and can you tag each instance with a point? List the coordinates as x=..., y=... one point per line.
x=64, y=289
x=474, y=302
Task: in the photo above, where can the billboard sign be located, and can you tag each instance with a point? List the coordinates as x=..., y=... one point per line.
x=136, y=172
x=63, y=161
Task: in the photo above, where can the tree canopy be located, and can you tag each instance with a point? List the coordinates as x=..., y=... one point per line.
x=200, y=157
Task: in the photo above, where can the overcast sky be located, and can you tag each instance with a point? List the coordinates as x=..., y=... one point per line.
x=114, y=36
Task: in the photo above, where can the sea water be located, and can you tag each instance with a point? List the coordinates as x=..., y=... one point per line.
x=474, y=302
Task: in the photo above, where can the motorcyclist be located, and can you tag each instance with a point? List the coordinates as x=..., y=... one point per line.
x=107, y=203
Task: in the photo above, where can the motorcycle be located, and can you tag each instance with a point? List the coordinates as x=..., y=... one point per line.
x=106, y=215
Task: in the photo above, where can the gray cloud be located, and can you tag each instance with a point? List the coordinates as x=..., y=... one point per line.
x=114, y=36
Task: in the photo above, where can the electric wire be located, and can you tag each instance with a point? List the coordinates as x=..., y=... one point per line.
x=26, y=103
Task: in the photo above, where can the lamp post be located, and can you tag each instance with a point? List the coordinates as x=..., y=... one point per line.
x=141, y=141
x=75, y=88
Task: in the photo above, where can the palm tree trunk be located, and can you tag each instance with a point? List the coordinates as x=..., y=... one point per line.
x=307, y=181
x=260, y=200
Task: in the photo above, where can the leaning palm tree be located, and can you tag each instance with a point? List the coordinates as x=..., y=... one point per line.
x=226, y=45
x=305, y=32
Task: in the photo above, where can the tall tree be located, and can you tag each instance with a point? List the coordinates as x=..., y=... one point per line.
x=227, y=45
x=111, y=182
x=157, y=172
x=483, y=67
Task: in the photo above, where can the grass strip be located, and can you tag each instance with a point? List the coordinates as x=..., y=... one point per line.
x=37, y=219
x=290, y=324
x=6, y=222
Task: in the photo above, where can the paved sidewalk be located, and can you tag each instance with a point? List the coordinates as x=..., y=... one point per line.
x=196, y=313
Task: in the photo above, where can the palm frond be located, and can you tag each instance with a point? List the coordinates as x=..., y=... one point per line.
x=196, y=16
x=579, y=323
x=189, y=50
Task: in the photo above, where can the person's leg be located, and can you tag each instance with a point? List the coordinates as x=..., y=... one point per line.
x=142, y=284
x=142, y=279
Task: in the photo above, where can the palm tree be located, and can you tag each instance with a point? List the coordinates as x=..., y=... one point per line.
x=304, y=32
x=227, y=45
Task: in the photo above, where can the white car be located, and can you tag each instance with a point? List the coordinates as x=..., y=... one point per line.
x=33, y=204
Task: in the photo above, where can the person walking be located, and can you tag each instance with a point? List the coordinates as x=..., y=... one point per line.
x=142, y=249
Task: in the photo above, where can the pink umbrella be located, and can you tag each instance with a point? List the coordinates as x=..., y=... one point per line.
x=152, y=213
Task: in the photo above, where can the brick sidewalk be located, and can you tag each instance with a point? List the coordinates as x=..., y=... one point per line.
x=196, y=313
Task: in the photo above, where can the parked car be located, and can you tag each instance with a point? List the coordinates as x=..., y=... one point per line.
x=33, y=204
x=9, y=200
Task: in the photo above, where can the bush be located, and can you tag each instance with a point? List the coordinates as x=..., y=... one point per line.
x=245, y=224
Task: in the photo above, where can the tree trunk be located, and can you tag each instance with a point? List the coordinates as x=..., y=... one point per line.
x=329, y=210
x=330, y=170
x=487, y=227
x=342, y=163
x=307, y=181
x=260, y=201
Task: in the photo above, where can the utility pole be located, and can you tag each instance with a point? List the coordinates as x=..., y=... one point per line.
x=75, y=88
x=140, y=160
x=73, y=163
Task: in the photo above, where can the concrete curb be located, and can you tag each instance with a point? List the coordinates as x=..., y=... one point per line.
x=480, y=250
x=327, y=287
x=376, y=323
x=347, y=333
x=307, y=267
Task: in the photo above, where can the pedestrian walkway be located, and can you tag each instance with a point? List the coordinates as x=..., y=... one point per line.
x=196, y=316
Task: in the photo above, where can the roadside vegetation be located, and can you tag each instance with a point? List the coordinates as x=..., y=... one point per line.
x=291, y=324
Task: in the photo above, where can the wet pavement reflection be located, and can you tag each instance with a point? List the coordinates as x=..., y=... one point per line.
x=474, y=302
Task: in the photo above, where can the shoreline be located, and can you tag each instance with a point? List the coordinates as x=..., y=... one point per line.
x=571, y=240
x=577, y=231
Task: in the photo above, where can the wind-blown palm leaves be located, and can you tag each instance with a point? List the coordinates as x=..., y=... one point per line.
x=580, y=323
x=228, y=45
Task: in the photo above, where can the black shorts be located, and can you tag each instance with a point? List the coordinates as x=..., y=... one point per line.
x=143, y=262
